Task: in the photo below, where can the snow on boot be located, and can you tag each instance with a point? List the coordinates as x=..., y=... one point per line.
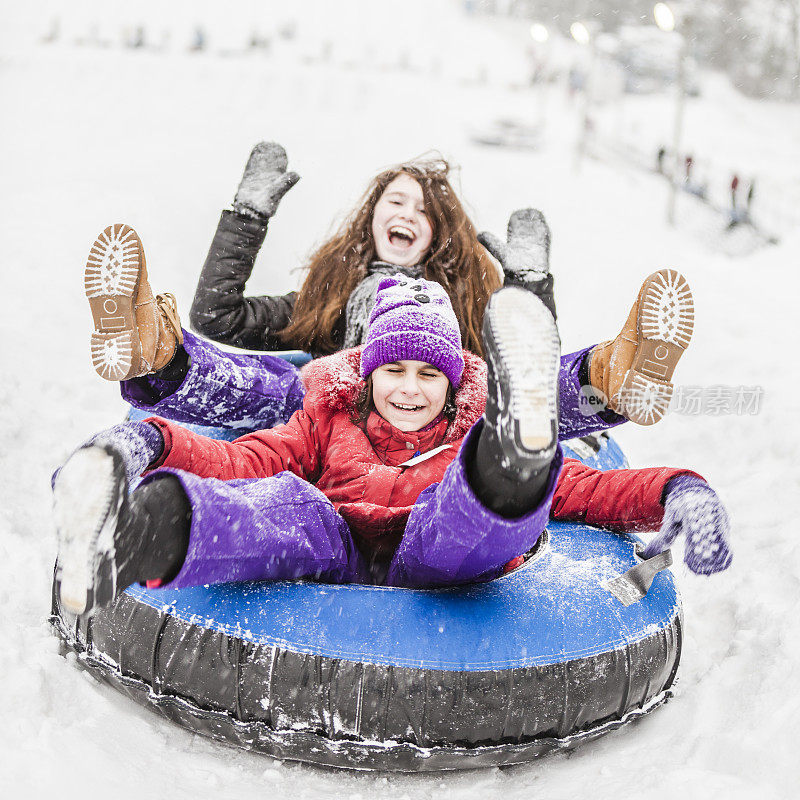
x=523, y=352
x=108, y=539
x=134, y=333
x=634, y=371
x=90, y=499
x=265, y=181
x=526, y=256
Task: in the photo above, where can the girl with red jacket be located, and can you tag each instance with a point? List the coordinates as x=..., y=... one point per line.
x=400, y=469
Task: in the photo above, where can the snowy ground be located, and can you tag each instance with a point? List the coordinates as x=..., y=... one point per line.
x=158, y=140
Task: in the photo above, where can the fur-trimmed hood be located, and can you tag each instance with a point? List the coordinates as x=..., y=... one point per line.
x=335, y=383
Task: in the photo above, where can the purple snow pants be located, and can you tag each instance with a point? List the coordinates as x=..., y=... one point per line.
x=225, y=390
x=247, y=393
x=283, y=528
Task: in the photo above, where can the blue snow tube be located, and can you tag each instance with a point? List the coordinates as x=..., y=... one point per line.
x=366, y=677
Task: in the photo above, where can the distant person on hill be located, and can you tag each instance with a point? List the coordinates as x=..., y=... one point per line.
x=660, y=155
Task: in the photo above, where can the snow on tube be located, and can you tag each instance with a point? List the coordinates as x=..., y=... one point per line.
x=367, y=677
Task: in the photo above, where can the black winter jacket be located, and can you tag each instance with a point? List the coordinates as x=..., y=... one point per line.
x=221, y=312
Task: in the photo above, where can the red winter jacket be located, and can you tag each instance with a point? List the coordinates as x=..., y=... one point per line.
x=358, y=466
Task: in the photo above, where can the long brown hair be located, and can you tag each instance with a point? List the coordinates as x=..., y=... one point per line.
x=455, y=259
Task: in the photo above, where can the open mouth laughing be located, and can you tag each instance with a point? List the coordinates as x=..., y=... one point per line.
x=401, y=236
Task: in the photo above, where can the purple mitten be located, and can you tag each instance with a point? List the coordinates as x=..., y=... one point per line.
x=692, y=507
x=139, y=443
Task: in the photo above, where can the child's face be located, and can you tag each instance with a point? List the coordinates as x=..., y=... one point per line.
x=409, y=394
x=400, y=226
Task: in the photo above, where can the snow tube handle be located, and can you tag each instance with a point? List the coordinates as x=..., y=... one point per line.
x=633, y=585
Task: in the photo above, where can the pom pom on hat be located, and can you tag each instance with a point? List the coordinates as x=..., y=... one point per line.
x=412, y=320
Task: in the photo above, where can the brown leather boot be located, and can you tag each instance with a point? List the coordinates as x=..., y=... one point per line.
x=634, y=370
x=134, y=333
x=170, y=333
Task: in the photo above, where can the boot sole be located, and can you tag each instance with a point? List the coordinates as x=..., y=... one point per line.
x=665, y=324
x=111, y=282
x=528, y=343
x=85, y=502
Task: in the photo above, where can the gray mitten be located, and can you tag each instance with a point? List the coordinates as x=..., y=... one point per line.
x=525, y=257
x=264, y=182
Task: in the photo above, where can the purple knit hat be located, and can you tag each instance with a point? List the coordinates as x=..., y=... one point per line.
x=412, y=320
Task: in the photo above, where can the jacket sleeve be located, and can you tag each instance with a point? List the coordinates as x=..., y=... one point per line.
x=293, y=447
x=220, y=310
x=617, y=499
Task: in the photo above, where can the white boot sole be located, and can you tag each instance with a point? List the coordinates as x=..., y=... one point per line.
x=528, y=343
x=85, y=516
x=667, y=309
x=111, y=280
x=112, y=355
x=666, y=323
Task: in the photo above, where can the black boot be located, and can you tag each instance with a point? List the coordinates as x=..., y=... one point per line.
x=108, y=540
x=520, y=434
